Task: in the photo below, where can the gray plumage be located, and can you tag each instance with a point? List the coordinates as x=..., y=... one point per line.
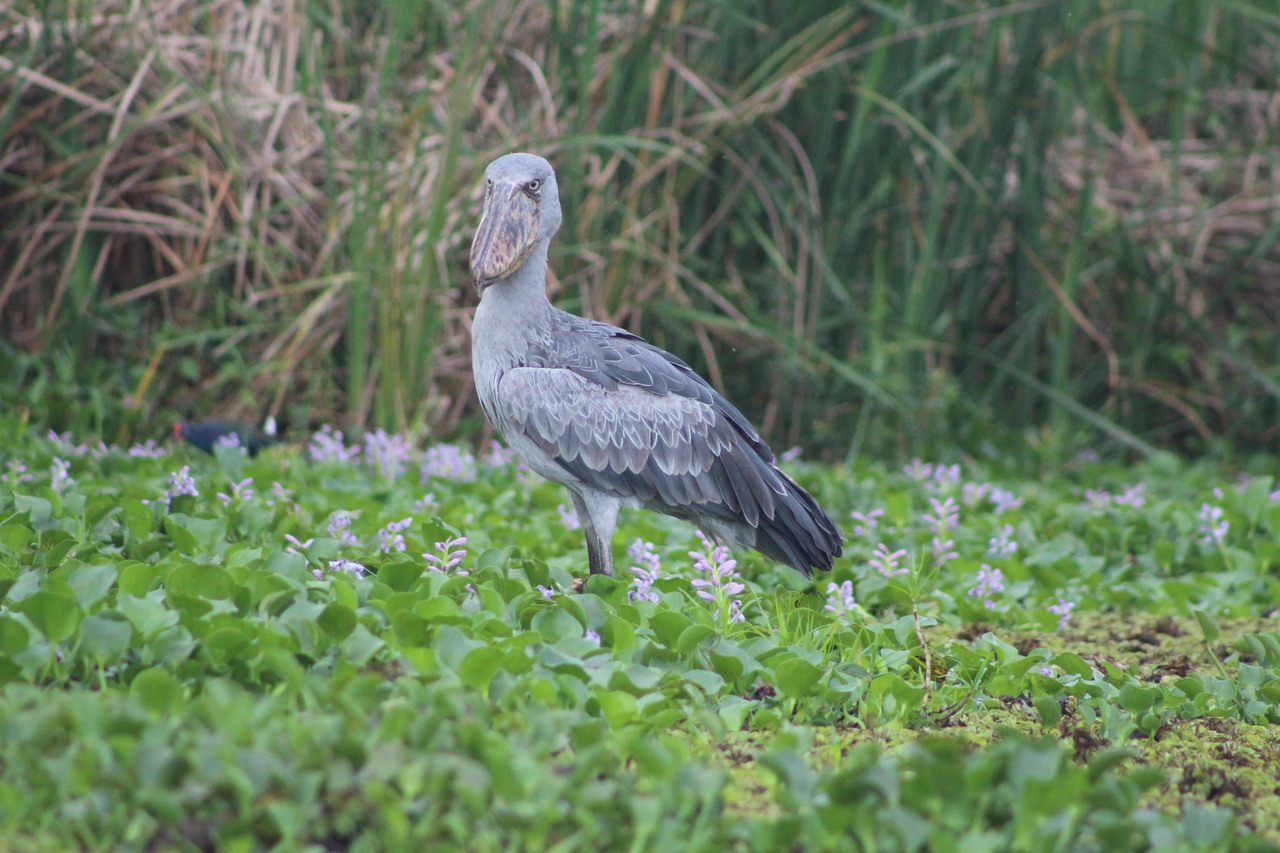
x=615, y=419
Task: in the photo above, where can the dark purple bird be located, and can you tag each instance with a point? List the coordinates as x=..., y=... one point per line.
x=206, y=434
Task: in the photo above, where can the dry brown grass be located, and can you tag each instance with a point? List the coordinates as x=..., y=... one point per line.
x=265, y=207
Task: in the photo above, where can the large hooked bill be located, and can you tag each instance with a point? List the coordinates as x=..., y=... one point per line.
x=507, y=234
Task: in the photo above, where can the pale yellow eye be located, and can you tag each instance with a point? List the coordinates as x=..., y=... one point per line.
x=533, y=185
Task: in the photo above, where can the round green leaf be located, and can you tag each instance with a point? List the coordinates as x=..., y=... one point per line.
x=156, y=690
x=795, y=676
x=338, y=621
x=105, y=636
x=54, y=613
x=479, y=665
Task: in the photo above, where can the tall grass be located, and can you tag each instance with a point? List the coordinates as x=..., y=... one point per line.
x=879, y=227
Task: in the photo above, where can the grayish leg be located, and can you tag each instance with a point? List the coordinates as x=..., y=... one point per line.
x=599, y=516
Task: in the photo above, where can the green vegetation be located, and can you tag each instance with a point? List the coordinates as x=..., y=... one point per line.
x=380, y=648
x=994, y=232
x=872, y=224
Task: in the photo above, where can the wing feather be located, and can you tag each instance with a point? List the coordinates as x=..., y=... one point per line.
x=619, y=415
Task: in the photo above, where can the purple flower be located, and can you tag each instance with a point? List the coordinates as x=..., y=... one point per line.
x=448, y=556
x=918, y=471
x=867, y=522
x=427, y=504
x=340, y=527
x=840, y=601
x=735, y=612
x=641, y=588
x=241, y=491
x=66, y=444
x=147, y=450
x=720, y=570
x=327, y=445
x=973, y=493
x=181, y=483
x=989, y=582
x=230, y=440
x=498, y=456
x=1213, y=527
x=1002, y=544
x=646, y=572
x=886, y=561
x=448, y=462
x=386, y=453
x=279, y=493
x=348, y=566
x=569, y=517
x=791, y=455
x=593, y=636
x=351, y=566
x=721, y=585
x=946, y=516
x=391, y=537
x=643, y=552
x=1097, y=498
x=16, y=472
x=547, y=592
x=1004, y=500
x=1135, y=496
x=60, y=475
x=295, y=545
x=1063, y=611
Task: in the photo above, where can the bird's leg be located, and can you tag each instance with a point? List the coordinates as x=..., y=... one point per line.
x=598, y=516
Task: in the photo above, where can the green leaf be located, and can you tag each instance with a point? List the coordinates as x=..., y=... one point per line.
x=618, y=633
x=361, y=645
x=200, y=581
x=479, y=665
x=619, y=708
x=1072, y=664
x=400, y=575
x=38, y=510
x=55, y=614
x=411, y=629
x=15, y=538
x=157, y=691
x=193, y=535
x=14, y=636
x=148, y=613
x=1136, y=698
x=692, y=636
x=136, y=578
x=338, y=621
x=555, y=624
x=1208, y=625
x=668, y=625
x=1049, y=709
x=90, y=584
x=1048, y=553
x=138, y=519
x=794, y=676
x=710, y=682
x=105, y=636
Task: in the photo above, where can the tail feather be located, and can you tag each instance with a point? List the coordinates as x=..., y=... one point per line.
x=800, y=534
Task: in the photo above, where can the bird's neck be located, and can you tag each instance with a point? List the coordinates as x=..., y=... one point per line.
x=514, y=311
x=521, y=296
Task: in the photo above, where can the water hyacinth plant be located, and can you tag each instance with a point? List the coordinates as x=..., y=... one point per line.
x=319, y=603
x=718, y=583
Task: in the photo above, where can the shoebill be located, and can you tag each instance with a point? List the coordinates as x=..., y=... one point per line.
x=614, y=419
